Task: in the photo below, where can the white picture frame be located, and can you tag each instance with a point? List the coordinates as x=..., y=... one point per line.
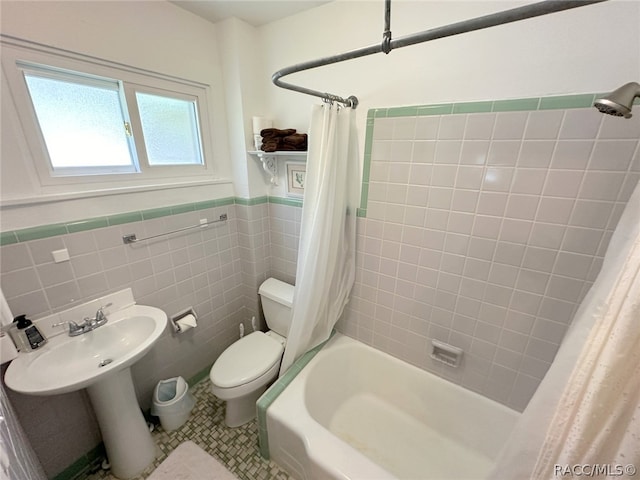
x=296, y=177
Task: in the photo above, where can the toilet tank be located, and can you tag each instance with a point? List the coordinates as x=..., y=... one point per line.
x=277, y=298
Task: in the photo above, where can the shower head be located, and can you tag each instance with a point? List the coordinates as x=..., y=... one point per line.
x=620, y=101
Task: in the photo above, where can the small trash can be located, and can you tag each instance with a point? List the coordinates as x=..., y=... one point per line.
x=172, y=403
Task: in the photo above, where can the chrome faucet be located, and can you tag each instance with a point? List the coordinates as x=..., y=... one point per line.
x=88, y=324
x=101, y=318
x=74, y=328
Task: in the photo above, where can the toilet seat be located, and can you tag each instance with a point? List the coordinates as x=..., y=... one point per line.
x=246, y=360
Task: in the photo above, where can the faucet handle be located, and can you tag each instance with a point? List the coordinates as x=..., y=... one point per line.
x=60, y=324
x=100, y=316
x=105, y=306
x=73, y=326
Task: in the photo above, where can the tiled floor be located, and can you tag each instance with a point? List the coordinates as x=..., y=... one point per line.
x=236, y=448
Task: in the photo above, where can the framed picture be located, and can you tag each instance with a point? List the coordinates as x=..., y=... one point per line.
x=296, y=176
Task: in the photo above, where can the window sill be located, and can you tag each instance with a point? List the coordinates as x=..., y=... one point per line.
x=103, y=192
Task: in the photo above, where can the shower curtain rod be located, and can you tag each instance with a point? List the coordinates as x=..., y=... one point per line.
x=479, y=23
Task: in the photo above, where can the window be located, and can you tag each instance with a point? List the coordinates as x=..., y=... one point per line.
x=82, y=123
x=90, y=121
x=170, y=128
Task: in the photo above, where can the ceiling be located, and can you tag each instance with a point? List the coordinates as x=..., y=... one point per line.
x=254, y=12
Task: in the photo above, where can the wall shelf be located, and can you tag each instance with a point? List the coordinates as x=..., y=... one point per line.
x=269, y=161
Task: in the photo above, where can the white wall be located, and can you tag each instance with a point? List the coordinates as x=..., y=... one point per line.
x=584, y=50
x=156, y=36
x=242, y=65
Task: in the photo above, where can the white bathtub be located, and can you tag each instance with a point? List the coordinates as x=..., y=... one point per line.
x=357, y=413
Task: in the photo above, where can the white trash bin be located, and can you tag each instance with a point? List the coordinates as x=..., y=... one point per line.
x=172, y=403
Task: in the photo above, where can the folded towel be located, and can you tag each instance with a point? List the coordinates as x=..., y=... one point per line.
x=275, y=132
x=283, y=147
x=295, y=139
x=269, y=146
x=290, y=148
x=287, y=140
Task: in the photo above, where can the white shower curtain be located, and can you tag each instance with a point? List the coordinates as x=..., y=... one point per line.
x=326, y=254
x=587, y=408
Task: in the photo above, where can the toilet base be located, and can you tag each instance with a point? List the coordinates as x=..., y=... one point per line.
x=242, y=410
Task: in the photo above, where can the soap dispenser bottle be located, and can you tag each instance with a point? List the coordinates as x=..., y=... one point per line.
x=28, y=334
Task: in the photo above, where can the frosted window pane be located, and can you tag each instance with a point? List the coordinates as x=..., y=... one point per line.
x=82, y=125
x=170, y=128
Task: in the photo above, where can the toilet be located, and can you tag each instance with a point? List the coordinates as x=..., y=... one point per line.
x=248, y=366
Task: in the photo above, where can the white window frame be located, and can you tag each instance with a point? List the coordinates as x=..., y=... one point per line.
x=17, y=57
x=130, y=91
x=88, y=80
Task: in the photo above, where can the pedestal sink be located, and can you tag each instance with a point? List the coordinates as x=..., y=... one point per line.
x=100, y=361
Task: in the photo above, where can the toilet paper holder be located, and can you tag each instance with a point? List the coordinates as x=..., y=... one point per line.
x=176, y=320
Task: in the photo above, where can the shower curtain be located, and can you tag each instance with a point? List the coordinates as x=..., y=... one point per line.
x=586, y=410
x=326, y=253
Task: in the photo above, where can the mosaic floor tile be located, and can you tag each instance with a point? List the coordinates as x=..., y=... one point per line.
x=236, y=448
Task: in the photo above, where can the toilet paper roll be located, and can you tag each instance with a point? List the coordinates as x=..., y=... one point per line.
x=186, y=323
x=7, y=349
x=260, y=123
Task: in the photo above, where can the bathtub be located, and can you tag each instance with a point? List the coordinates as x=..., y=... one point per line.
x=354, y=412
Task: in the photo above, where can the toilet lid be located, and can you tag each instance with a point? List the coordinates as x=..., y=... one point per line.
x=245, y=360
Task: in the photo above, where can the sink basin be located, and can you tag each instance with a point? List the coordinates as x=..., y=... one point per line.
x=100, y=361
x=66, y=363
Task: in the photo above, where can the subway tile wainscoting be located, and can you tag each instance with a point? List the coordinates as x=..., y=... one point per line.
x=214, y=269
x=482, y=225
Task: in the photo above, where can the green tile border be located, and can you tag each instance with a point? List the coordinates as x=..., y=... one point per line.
x=198, y=377
x=567, y=101
x=248, y=202
x=52, y=230
x=291, y=202
x=489, y=106
x=83, y=225
x=268, y=397
x=42, y=231
x=473, y=107
x=436, y=109
x=156, y=213
x=515, y=105
x=123, y=218
x=402, y=112
x=8, y=238
x=366, y=167
x=80, y=466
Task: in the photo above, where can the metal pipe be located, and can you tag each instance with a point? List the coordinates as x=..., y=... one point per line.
x=491, y=20
x=386, y=35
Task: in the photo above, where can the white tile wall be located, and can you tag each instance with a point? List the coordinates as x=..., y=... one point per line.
x=284, y=238
x=254, y=250
x=485, y=231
